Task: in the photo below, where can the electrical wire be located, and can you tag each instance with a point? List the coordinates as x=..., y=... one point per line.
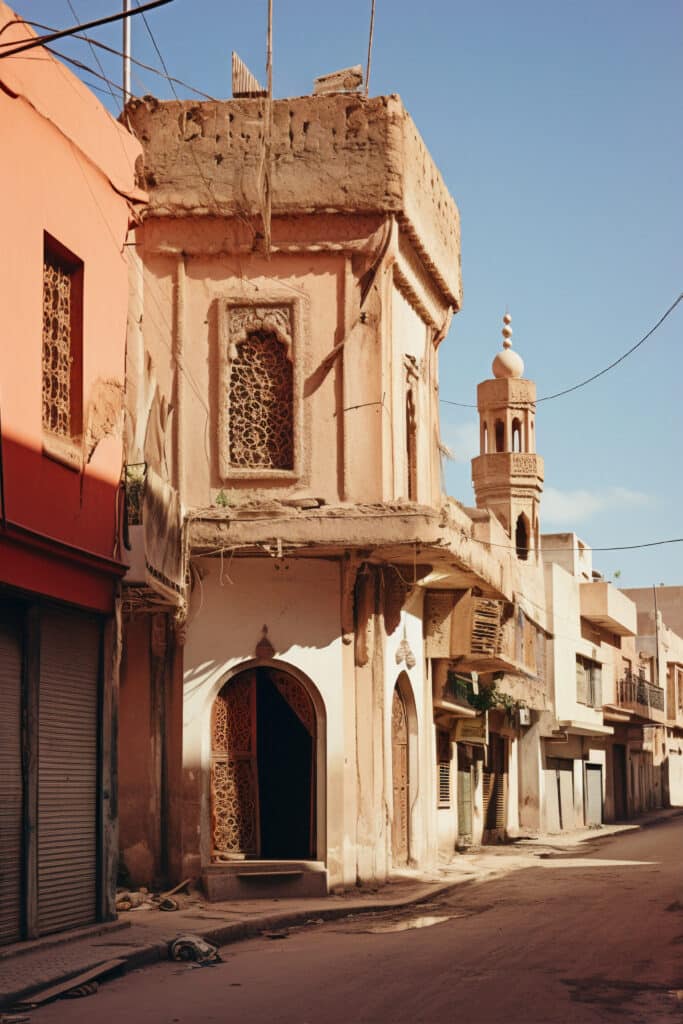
x=92, y=50
x=618, y=547
x=119, y=53
x=82, y=67
x=600, y=373
x=42, y=40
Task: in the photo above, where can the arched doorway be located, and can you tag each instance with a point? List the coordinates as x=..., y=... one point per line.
x=263, y=779
x=400, y=779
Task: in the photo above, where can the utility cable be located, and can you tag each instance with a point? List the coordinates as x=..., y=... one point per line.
x=93, y=51
x=119, y=53
x=42, y=40
x=618, y=547
x=600, y=373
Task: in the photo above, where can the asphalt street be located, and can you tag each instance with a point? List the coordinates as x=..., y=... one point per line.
x=581, y=936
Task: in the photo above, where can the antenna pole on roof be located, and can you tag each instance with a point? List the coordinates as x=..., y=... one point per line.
x=269, y=52
x=267, y=210
x=126, y=52
x=372, y=32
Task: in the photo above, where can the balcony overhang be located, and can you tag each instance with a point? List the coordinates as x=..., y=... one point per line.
x=604, y=605
x=406, y=534
x=485, y=664
x=578, y=728
x=447, y=707
x=644, y=714
x=615, y=714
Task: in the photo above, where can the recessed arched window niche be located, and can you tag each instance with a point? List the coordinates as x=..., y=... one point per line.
x=500, y=435
x=261, y=347
x=516, y=435
x=522, y=537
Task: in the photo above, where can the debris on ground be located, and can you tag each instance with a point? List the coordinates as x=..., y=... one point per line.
x=78, y=991
x=79, y=981
x=193, y=948
x=168, y=903
x=143, y=899
x=283, y=934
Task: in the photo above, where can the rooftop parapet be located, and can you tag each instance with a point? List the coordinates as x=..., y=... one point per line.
x=340, y=153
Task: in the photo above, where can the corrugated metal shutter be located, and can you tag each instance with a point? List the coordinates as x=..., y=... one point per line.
x=67, y=771
x=11, y=800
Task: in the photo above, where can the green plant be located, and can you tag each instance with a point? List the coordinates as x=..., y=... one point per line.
x=486, y=698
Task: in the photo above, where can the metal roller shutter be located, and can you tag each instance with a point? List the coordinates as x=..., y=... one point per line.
x=11, y=801
x=67, y=772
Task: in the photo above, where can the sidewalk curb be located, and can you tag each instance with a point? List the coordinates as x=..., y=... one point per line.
x=236, y=931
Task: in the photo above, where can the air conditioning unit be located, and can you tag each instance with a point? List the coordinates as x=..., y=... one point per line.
x=525, y=716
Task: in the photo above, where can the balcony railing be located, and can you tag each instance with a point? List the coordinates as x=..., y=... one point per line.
x=633, y=689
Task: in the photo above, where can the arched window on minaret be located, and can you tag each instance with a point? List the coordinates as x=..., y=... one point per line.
x=516, y=435
x=500, y=436
x=522, y=537
x=485, y=439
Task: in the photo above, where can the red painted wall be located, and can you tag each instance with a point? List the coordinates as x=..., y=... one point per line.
x=68, y=172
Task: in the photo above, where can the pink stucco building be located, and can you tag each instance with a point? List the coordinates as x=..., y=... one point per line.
x=67, y=180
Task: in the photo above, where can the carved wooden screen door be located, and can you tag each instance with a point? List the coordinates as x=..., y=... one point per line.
x=235, y=812
x=399, y=767
x=234, y=775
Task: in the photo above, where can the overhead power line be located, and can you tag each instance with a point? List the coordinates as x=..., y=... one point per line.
x=617, y=547
x=119, y=53
x=42, y=40
x=600, y=373
x=92, y=50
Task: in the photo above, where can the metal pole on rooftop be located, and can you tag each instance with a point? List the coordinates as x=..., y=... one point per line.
x=269, y=52
x=369, y=63
x=126, y=52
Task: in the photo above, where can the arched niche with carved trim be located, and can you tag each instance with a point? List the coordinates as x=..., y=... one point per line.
x=261, y=347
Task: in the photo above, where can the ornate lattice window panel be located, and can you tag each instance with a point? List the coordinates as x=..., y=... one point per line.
x=261, y=407
x=261, y=388
x=298, y=700
x=61, y=340
x=261, y=374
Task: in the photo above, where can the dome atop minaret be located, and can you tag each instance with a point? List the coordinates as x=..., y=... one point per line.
x=507, y=363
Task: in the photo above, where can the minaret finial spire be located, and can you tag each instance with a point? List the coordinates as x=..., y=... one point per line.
x=507, y=330
x=507, y=363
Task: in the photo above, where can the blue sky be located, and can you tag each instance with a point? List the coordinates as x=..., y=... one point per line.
x=557, y=129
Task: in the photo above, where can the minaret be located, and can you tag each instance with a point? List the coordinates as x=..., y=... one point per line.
x=508, y=475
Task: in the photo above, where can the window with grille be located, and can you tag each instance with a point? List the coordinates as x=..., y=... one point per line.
x=443, y=768
x=261, y=402
x=62, y=340
x=588, y=682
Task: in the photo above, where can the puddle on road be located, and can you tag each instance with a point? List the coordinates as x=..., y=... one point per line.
x=425, y=921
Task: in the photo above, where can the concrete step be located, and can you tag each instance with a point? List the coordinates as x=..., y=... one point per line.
x=264, y=879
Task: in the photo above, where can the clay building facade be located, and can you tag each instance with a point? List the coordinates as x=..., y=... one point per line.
x=283, y=400
x=70, y=188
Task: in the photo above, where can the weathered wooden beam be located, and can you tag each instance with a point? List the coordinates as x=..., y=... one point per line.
x=345, y=80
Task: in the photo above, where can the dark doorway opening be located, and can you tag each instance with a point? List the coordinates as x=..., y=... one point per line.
x=619, y=765
x=263, y=775
x=285, y=752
